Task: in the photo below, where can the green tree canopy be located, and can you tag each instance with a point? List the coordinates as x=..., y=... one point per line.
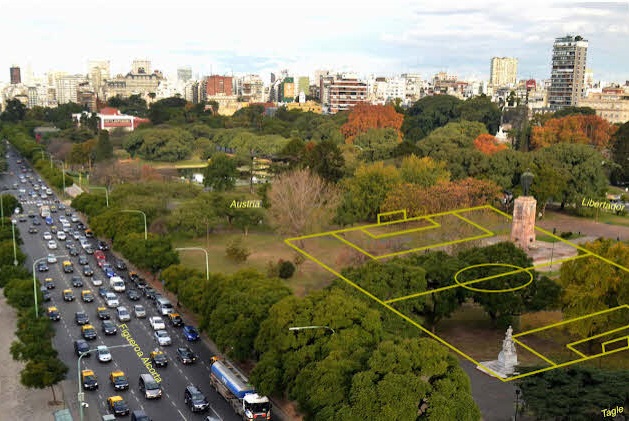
x=325, y=159
x=480, y=108
x=429, y=113
x=159, y=144
x=221, y=173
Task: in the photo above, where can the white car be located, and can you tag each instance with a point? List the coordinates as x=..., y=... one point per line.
x=163, y=338
x=103, y=353
x=61, y=236
x=123, y=314
x=51, y=258
x=139, y=311
x=52, y=245
x=74, y=218
x=97, y=282
x=49, y=192
x=47, y=236
x=157, y=323
x=112, y=300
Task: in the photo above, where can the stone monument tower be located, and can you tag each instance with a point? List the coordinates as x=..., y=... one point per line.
x=524, y=208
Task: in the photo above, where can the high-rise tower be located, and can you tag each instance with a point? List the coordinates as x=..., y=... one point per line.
x=568, y=71
x=504, y=71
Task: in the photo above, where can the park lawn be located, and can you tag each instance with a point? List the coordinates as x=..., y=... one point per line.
x=264, y=247
x=613, y=219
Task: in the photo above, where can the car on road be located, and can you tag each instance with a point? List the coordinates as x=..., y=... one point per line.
x=157, y=323
x=87, y=296
x=89, y=380
x=89, y=250
x=119, y=380
x=47, y=236
x=109, y=328
x=158, y=358
x=195, y=400
x=149, y=292
x=123, y=314
x=49, y=283
x=139, y=415
x=36, y=221
x=74, y=218
x=102, y=291
x=42, y=267
x=190, y=333
x=73, y=251
x=81, y=318
x=61, y=236
x=87, y=270
x=83, y=260
x=53, y=313
x=51, y=258
x=97, y=282
x=120, y=264
x=117, y=405
x=133, y=294
x=52, y=245
x=103, y=246
x=80, y=346
x=32, y=230
x=68, y=295
x=175, y=319
x=45, y=294
x=139, y=311
x=104, y=356
x=75, y=234
x=112, y=300
x=80, y=226
x=77, y=282
x=103, y=313
x=108, y=270
x=163, y=338
x=88, y=332
x=185, y=355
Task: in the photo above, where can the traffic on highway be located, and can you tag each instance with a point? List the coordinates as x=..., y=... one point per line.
x=145, y=360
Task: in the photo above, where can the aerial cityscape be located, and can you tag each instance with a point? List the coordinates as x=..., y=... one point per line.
x=326, y=211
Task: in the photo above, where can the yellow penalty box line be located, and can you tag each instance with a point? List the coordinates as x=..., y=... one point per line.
x=395, y=212
x=408, y=231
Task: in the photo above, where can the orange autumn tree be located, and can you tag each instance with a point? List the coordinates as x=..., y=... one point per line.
x=441, y=197
x=586, y=129
x=366, y=116
x=488, y=145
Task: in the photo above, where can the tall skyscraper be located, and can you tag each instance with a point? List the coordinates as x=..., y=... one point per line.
x=568, y=71
x=504, y=71
x=16, y=77
x=184, y=74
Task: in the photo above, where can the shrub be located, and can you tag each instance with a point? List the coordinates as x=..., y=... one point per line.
x=237, y=251
x=286, y=269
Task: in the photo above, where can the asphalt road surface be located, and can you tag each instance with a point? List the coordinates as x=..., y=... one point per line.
x=131, y=360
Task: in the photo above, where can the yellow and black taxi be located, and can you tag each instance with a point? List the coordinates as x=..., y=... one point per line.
x=159, y=358
x=87, y=296
x=175, y=319
x=67, y=266
x=53, y=313
x=68, y=295
x=119, y=380
x=117, y=405
x=89, y=380
x=49, y=283
x=103, y=313
x=88, y=332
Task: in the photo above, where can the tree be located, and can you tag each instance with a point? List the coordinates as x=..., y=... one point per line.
x=428, y=114
x=366, y=191
x=366, y=116
x=14, y=111
x=621, y=153
x=591, y=284
x=584, y=129
x=154, y=254
x=43, y=372
x=424, y=172
x=377, y=144
x=247, y=218
x=159, y=144
x=221, y=173
x=480, y=108
x=488, y=145
x=326, y=160
x=104, y=150
x=301, y=202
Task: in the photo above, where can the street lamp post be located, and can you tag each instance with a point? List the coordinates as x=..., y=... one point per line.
x=80, y=394
x=35, y=281
x=294, y=328
x=517, y=404
x=106, y=192
x=63, y=173
x=144, y=215
x=207, y=264
x=13, y=222
x=552, y=251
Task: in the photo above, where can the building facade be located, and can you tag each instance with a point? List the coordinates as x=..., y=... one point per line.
x=342, y=93
x=612, y=104
x=568, y=71
x=219, y=85
x=16, y=75
x=68, y=88
x=184, y=74
x=503, y=71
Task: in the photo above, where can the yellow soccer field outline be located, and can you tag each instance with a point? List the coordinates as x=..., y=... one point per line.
x=486, y=233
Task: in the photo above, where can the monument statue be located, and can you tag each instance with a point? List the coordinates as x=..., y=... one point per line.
x=507, y=360
x=526, y=179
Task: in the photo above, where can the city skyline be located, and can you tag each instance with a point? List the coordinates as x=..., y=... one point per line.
x=247, y=37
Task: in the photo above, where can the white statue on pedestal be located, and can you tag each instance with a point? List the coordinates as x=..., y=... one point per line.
x=507, y=360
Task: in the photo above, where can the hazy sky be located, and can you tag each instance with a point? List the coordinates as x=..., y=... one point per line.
x=367, y=36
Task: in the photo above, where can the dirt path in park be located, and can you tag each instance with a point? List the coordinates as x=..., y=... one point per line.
x=19, y=403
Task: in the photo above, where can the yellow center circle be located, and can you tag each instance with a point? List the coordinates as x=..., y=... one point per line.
x=518, y=270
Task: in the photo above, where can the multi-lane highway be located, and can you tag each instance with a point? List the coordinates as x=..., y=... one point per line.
x=132, y=360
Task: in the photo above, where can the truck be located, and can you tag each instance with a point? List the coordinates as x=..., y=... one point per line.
x=117, y=284
x=234, y=387
x=44, y=211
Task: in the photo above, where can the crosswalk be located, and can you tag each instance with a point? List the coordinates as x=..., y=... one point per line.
x=39, y=202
